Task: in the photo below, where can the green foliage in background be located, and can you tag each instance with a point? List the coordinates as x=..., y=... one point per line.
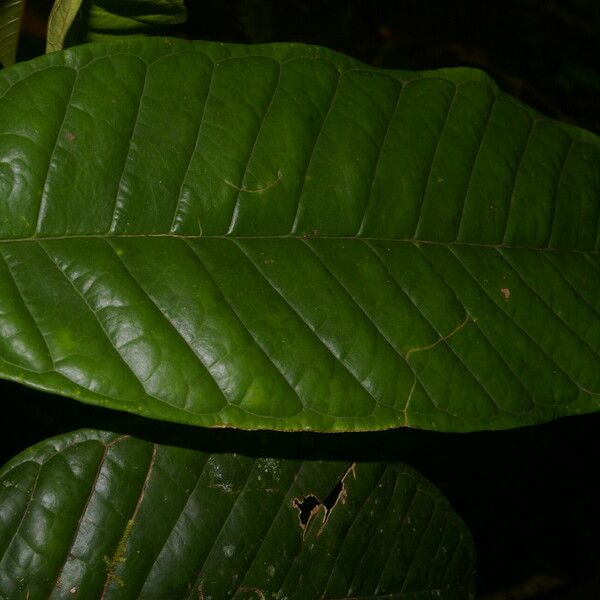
x=73, y=22
x=11, y=12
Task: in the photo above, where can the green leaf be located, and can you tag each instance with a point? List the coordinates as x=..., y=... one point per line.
x=61, y=18
x=72, y=22
x=281, y=237
x=97, y=514
x=11, y=12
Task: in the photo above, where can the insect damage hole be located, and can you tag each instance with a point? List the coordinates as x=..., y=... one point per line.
x=306, y=507
x=309, y=505
x=332, y=499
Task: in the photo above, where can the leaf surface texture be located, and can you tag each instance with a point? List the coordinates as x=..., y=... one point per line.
x=281, y=237
x=95, y=514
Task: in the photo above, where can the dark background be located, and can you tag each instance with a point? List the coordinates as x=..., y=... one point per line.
x=531, y=496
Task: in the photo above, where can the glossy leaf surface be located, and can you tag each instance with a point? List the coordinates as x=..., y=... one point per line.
x=103, y=515
x=11, y=12
x=280, y=237
x=76, y=21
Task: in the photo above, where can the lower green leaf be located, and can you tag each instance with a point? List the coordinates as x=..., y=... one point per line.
x=96, y=514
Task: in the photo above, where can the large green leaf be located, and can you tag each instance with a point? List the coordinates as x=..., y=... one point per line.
x=96, y=514
x=11, y=12
x=75, y=21
x=280, y=237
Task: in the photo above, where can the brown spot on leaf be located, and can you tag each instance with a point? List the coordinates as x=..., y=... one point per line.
x=505, y=292
x=259, y=189
x=258, y=593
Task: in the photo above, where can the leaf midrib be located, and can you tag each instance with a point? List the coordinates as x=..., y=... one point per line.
x=414, y=241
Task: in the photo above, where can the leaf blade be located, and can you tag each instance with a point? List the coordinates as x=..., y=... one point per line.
x=265, y=263
x=229, y=524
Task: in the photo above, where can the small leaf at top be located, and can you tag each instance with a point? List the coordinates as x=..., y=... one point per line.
x=73, y=22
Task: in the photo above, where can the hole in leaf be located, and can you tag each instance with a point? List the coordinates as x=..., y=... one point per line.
x=309, y=505
x=332, y=498
x=305, y=507
x=330, y=501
